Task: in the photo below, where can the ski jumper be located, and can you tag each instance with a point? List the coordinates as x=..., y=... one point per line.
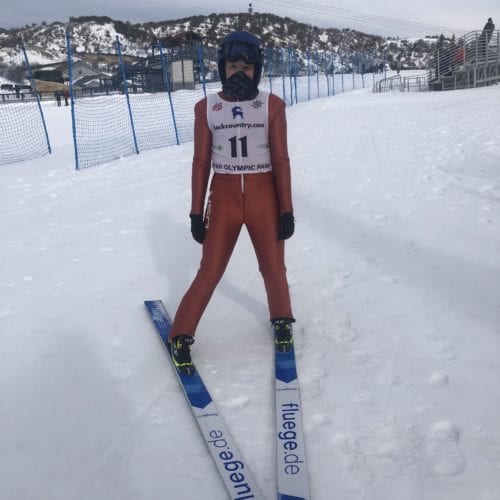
x=244, y=143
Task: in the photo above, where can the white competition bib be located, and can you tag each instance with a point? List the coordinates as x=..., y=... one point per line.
x=240, y=142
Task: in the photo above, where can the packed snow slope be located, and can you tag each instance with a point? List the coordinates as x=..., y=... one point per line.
x=394, y=272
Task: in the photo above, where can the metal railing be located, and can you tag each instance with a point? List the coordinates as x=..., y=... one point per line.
x=415, y=83
x=411, y=83
x=472, y=61
x=388, y=84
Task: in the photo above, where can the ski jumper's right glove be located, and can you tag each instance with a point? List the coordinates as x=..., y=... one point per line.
x=286, y=226
x=197, y=227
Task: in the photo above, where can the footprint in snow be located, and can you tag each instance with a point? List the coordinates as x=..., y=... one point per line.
x=345, y=333
x=447, y=460
x=442, y=347
x=354, y=461
x=320, y=420
x=439, y=380
x=360, y=359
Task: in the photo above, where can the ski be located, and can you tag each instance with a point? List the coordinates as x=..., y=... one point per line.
x=292, y=476
x=235, y=474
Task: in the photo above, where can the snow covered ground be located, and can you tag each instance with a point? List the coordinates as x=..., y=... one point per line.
x=395, y=277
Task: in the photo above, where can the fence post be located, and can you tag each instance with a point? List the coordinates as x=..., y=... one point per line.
x=282, y=68
x=71, y=95
x=342, y=68
x=498, y=46
x=125, y=89
x=269, y=51
x=333, y=75
x=317, y=72
x=352, y=69
x=295, y=75
x=290, y=74
x=33, y=86
x=167, y=86
x=327, y=69
x=308, y=75
x=201, y=65
x=373, y=69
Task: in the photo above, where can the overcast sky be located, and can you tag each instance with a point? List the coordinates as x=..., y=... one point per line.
x=471, y=14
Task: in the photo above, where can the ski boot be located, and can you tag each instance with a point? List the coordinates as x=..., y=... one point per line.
x=181, y=355
x=283, y=337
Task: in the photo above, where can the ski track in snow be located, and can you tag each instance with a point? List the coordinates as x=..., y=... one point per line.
x=394, y=274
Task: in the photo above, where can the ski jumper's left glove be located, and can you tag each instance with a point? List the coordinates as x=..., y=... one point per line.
x=286, y=226
x=197, y=227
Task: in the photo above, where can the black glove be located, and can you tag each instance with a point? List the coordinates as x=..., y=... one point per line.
x=286, y=226
x=240, y=86
x=197, y=227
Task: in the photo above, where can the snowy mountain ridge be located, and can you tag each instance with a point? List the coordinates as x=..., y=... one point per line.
x=46, y=43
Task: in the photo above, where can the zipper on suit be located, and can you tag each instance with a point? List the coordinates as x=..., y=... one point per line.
x=240, y=158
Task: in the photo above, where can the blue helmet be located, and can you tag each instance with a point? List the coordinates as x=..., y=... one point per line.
x=240, y=45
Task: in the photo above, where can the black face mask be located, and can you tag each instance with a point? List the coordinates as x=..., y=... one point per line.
x=240, y=86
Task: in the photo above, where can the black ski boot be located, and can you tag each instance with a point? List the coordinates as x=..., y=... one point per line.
x=181, y=355
x=283, y=337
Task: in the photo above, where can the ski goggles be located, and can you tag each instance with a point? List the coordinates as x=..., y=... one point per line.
x=233, y=51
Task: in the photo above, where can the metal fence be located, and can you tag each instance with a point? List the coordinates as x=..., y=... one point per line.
x=149, y=103
x=23, y=130
x=412, y=83
x=471, y=61
x=136, y=104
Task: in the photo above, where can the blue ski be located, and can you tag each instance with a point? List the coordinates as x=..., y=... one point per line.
x=236, y=475
x=292, y=476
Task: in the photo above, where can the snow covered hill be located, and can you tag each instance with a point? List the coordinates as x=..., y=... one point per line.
x=395, y=278
x=93, y=35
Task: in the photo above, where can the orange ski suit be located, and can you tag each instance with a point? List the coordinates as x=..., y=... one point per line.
x=253, y=199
